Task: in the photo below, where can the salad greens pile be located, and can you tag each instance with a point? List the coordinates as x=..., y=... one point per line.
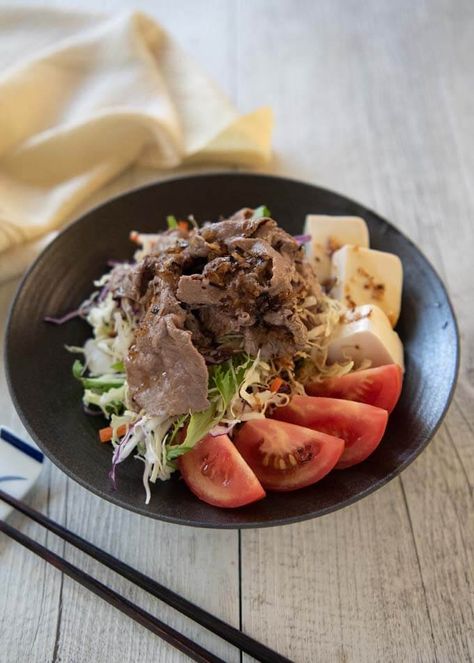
x=239, y=389
x=160, y=441
x=225, y=381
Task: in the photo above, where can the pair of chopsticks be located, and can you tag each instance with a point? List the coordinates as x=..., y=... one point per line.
x=197, y=653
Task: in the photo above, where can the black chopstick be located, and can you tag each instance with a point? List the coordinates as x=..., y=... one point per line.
x=217, y=626
x=173, y=637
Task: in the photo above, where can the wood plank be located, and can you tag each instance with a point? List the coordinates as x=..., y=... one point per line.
x=57, y=619
x=439, y=197
x=346, y=587
x=441, y=504
x=190, y=561
x=374, y=101
x=30, y=587
x=439, y=488
x=184, y=559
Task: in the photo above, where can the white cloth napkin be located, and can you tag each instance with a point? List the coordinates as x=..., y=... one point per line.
x=82, y=97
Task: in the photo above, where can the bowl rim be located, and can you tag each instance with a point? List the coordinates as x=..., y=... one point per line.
x=111, y=497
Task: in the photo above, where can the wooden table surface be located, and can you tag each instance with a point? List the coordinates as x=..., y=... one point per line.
x=374, y=100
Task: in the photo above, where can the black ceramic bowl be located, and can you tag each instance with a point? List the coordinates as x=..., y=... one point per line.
x=48, y=399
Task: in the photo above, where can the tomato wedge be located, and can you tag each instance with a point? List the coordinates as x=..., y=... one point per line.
x=361, y=426
x=216, y=473
x=286, y=457
x=379, y=386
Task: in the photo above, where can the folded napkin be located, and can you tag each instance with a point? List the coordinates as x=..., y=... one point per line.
x=82, y=97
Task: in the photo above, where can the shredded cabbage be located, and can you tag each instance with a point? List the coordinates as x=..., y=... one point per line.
x=239, y=390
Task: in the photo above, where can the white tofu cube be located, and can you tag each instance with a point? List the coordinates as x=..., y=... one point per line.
x=365, y=333
x=365, y=276
x=329, y=233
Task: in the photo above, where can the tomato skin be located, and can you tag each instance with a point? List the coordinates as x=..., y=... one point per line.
x=361, y=426
x=379, y=386
x=216, y=473
x=287, y=457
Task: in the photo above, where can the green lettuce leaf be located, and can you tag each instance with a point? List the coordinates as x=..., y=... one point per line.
x=260, y=211
x=224, y=382
x=99, y=384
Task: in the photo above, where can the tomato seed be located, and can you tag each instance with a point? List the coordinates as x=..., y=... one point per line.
x=304, y=454
x=205, y=466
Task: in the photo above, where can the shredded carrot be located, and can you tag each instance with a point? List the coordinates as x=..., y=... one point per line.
x=105, y=434
x=183, y=225
x=276, y=384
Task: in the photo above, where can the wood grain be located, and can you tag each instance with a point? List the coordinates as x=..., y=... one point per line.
x=44, y=617
x=381, y=113
x=374, y=100
x=345, y=587
x=51, y=618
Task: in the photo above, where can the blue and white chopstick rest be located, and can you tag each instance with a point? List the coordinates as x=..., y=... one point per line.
x=20, y=465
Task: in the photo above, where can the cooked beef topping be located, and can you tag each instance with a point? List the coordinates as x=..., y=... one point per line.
x=238, y=284
x=198, y=290
x=166, y=373
x=124, y=282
